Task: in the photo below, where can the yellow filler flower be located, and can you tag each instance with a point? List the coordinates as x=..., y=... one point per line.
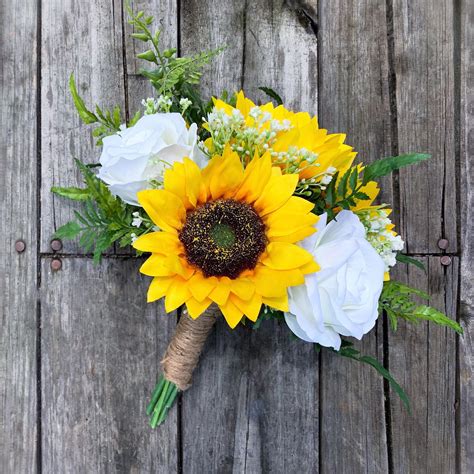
x=227, y=236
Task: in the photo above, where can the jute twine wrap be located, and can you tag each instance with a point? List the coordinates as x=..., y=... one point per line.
x=184, y=350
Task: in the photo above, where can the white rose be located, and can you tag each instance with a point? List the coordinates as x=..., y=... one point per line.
x=341, y=298
x=135, y=156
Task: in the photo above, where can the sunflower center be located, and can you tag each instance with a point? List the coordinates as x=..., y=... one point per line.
x=223, y=237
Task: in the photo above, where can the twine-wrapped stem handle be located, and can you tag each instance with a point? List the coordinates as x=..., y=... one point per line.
x=183, y=351
x=179, y=362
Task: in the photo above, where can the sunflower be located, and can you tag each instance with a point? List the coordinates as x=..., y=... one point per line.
x=227, y=236
x=294, y=139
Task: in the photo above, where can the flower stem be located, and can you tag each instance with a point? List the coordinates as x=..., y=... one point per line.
x=162, y=399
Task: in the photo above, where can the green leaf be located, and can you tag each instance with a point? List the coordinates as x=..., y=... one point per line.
x=140, y=36
x=342, y=186
x=134, y=119
x=413, y=261
x=350, y=352
x=388, y=376
x=361, y=195
x=147, y=56
x=430, y=314
x=86, y=115
x=76, y=194
x=272, y=94
x=387, y=165
x=353, y=179
x=68, y=231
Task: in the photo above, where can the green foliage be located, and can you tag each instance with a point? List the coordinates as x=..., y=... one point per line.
x=341, y=193
x=173, y=77
x=267, y=313
x=347, y=350
x=397, y=301
x=108, y=121
x=272, y=94
x=104, y=219
x=75, y=194
x=86, y=115
x=344, y=191
x=412, y=261
x=385, y=166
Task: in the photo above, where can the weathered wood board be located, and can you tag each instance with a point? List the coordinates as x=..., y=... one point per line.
x=99, y=364
x=80, y=347
x=19, y=433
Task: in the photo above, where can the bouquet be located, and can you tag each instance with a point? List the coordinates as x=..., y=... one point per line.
x=250, y=212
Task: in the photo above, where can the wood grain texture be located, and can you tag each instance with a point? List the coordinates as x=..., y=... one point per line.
x=84, y=38
x=102, y=345
x=280, y=39
x=424, y=67
x=18, y=218
x=422, y=358
x=354, y=98
x=354, y=78
x=255, y=396
x=466, y=309
x=204, y=27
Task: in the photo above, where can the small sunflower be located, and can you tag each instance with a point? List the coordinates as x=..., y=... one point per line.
x=227, y=236
x=294, y=139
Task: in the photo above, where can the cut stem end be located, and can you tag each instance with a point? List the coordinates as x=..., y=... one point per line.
x=162, y=400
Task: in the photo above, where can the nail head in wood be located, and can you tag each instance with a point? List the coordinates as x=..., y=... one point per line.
x=20, y=246
x=443, y=244
x=56, y=264
x=445, y=260
x=56, y=245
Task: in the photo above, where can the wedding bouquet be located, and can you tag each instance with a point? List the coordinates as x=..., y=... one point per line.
x=247, y=211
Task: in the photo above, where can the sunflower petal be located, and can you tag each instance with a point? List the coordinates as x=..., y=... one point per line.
x=280, y=303
x=228, y=176
x=242, y=287
x=159, y=242
x=166, y=265
x=158, y=288
x=256, y=177
x=274, y=283
x=285, y=256
x=196, y=308
x=278, y=190
x=250, y=308
x=165, y=209
x=178, y=293
x=220, y=293
x=200, y=286
x=293, y=237
x=231, y=313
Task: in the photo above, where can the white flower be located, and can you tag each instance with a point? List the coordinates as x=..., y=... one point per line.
x=341, y=298
x=137, y=220
x=184, y=103
x=380, y=236
x=133, y=237
x=164, y=103
x=136, y=157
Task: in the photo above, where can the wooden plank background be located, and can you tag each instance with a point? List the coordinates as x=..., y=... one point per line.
x=80, y=347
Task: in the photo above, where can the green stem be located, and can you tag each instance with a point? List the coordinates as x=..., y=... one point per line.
x=162, y=399
x=155, y=395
